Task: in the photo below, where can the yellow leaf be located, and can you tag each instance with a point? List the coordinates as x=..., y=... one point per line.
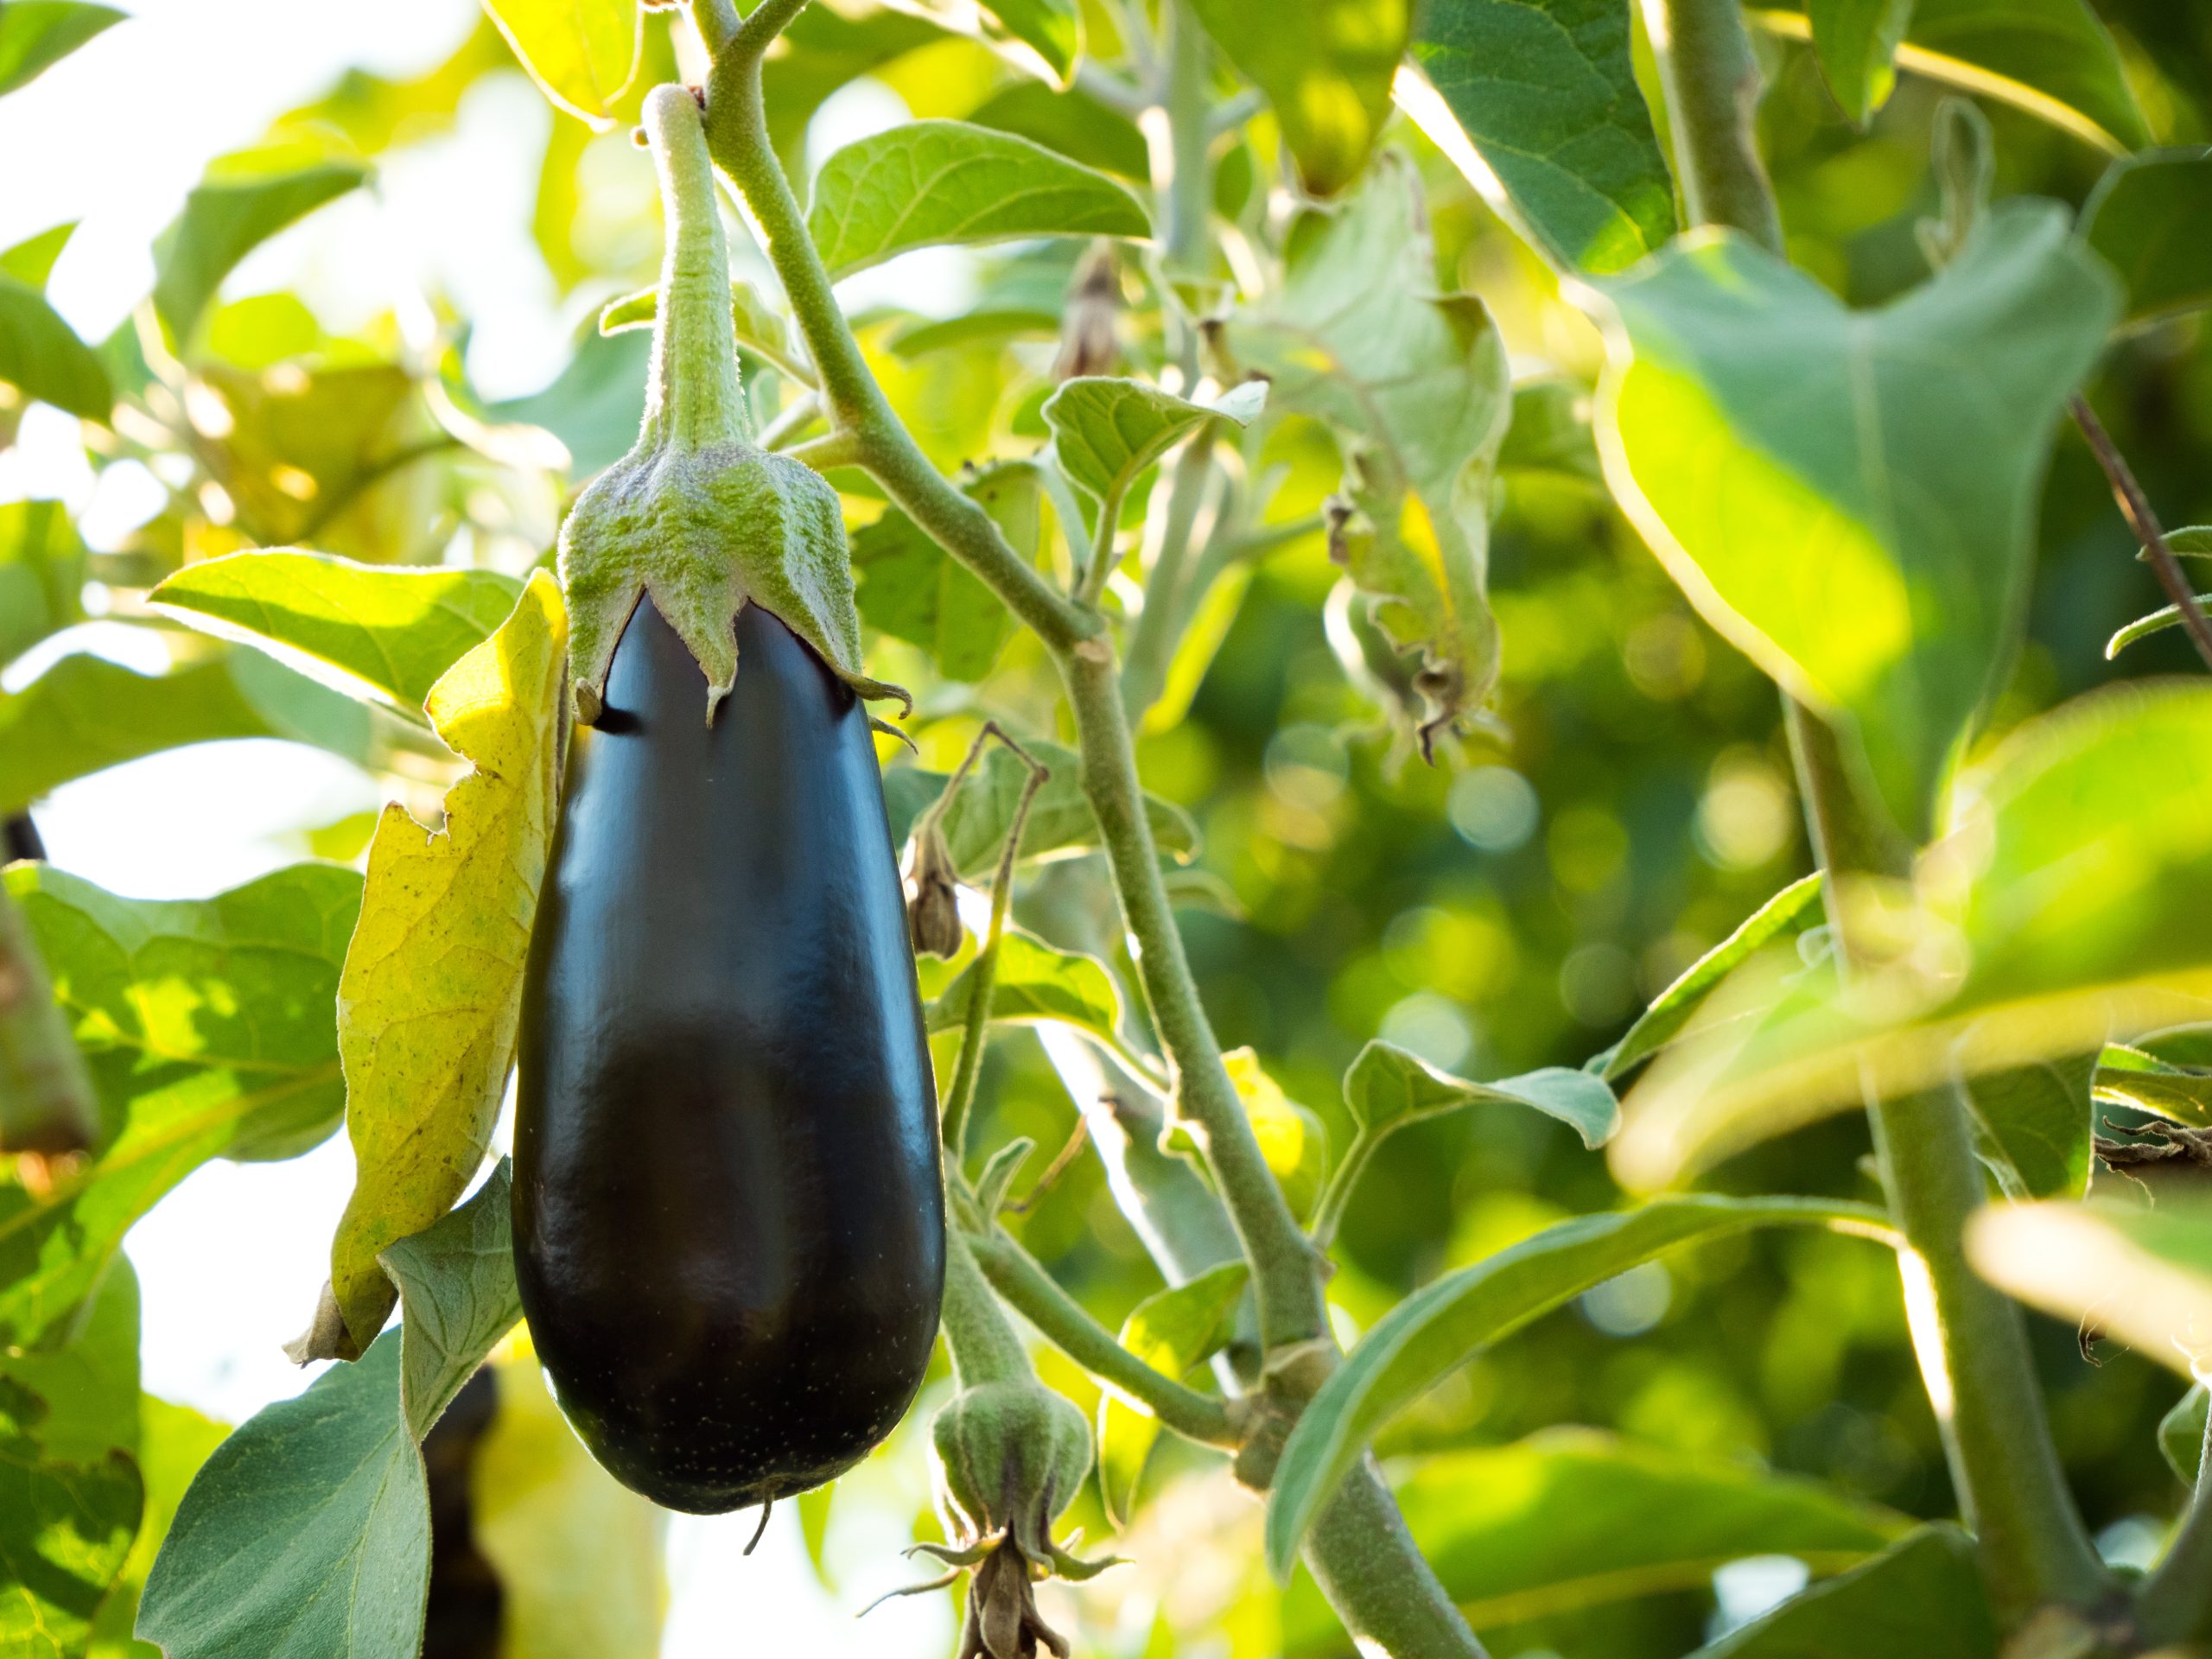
x=582, y=52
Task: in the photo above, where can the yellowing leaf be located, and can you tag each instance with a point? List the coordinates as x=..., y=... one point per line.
x=581, y=53
x=1291, y=1138
x=431, y=996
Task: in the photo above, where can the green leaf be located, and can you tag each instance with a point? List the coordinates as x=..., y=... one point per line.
x=1856, y=42
x=243, y=200
x=1573, y=1518
x=1051, y=29
x=2062, y=911
x=1060, y=820
x=34, y=35
x=1034, y=983
x=42, y=574
x=1292, y=1139
x=2035, y=1126
x=1921, y=1598
x=1106, y=432
x=457, y=1282
x=1789, y=911
x=208, y=1026
x=31, y=261
x=1325, y=66
x=86, y=714
x=1171, y=1331
x=1543, y=94
x=1550, y=431
x=174, y=1441
x=578, y=1556
x=1078, y=127
x=594, y=404
x=1387, y=1088
x=2144, y=217
x=307, y=1533
x=1415, y=387
x=65, y=1532
x=582, y=54
x=2166, y=616
x=913, y=589
x=1437, y=1328
x=2180, y=1433
x=89, y=1387
x=42, y=358
x=1792, y=461
x=928, y=182
x=2051, y=57
x=2132, y=1077
x=2143, y=1275
x=431, y=994
x=398, y=628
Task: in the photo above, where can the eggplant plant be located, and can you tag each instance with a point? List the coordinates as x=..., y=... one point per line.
x=1510, y=680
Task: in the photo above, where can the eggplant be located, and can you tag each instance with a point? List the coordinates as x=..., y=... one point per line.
x=728, y=1220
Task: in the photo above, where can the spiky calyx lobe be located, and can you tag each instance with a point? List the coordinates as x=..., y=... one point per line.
x=697, y=514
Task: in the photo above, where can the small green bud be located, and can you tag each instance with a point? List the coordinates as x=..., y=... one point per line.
x=1012, y=1456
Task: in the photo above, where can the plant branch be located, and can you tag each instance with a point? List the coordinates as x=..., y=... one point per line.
x=2135, y=507
x=717, y=22
x=1036, y=1295
x=1343, y=1180
x=1159, y=625
x=2176, y=1604
x=1711, y=81
x=47, y=1102
x=830, y=450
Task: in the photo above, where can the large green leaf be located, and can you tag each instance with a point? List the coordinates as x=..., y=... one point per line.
x=1921, y=1598
x=34, y=35
x=1035, y=981
x=1415, y=385
x=582, y=52
x=1106, y=431
x=1573, y=1518
x=243, y=200
x=1060, y=822
x=1325, y=66
x=1050, y=30
x=457, y=1282
x=307, y=1533
x=913, y=589
x=936, y=182
x=1856, y=42
x=1543, y=92
x=209, y=1026
x=399, y=628
x=42, y=574
x=1793, y=462
x=1437, y=1328
x=431, y=993
x=2034, y=1125
x=65, y=1532
x=2147, y=216
x=2064, y=910
x=86, y=714
x=1171, y=1331
x=42, y=358
x=174, y=1441
x=2144, y=1276
x=1388, y=1087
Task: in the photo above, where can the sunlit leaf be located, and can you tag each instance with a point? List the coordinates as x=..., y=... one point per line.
x=431, y=994
x=928, y=182
x=42, y=574
x=1542, y=96
x=1387, y=1088
x=86, y=714
x=2035, y=1124
x=1106, y=432
x=1036, y=981
x=31, y=261
x=2180, y=1432
x=1325, y=66
x=396, y=628
x=34, y=35
x=174, y=1441
x=2147, y=216
x=1292, y=1138
x=456, y=1283
x=1922, y=1598
x=2143, y=1275
x=1437, y=1328
x=64, y=1531
x=2131, y=1076
x=1415, y=385
x=1060, y=819
x=1078, y=127
x=1791, y=460
x=582, y=52
x=208, y=1026
x=1171, y=1331
x=42, y=358
x=243, y=201
x=88, y=1388
x=306, y=1534
x=1573, y=1518
x=578, y=1555
x=1856, y=41
x=913, y=589
x=1050, y=29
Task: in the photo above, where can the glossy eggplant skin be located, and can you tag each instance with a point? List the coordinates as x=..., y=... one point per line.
x=728, y=1219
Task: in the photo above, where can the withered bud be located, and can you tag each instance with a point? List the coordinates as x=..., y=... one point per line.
x=932, y=895
x=1088, y=344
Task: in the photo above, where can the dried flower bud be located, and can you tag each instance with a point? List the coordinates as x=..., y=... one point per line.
x=1088, y=344
x=932, y=895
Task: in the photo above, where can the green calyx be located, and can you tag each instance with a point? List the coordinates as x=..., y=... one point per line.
x=1013, y=1454
x=697, y=515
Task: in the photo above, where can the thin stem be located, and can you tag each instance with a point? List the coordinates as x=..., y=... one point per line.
x=1159, y=625
x=757, y=33
x=2176, y=1604
x=791, y=420
x=716, y=20
x=1712, y=85
x=1117, y=92
x=1036, y=1295
x=2135, y=506
x=47, y=1102
x=830, y=450
x=980, y=1340
x=1343, y=1180
x=1182, y=169
x=1101, y=567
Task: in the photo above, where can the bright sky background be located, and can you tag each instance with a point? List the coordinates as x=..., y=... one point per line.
x=231, y=1262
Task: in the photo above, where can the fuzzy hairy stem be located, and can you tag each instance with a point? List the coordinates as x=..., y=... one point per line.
x=1034, y=1293
x=2176, y=1605
x=1355, y=1551
x=1711, y=82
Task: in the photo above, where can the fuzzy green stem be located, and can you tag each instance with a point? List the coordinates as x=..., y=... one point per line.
x=981, y=1339
x=1357, y=1550
x=1343, y=1180
x=692, y=396
x=1034, y=1293
x=1712, y=85
x=1184, y=172
x=47, y=1102
x=2176, y=1605
x=1159, y=625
